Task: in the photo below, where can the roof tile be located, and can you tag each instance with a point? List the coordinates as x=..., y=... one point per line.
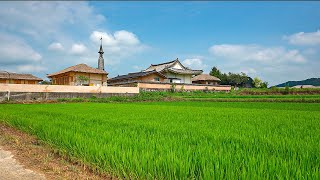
x=80, y=68
x=205, y=77
x=5, y=75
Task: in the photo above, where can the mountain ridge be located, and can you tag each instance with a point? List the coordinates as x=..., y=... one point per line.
x=310, y=81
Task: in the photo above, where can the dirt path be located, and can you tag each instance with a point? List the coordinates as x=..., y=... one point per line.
x=25, y=157
x=10, y=169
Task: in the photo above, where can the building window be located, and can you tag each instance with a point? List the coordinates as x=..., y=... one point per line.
x=157, y=79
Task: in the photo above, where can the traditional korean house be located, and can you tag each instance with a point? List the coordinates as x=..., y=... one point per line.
x=15, y=78
x=205, y=79
x=169, y=76
x=175, y=71
x=168, y=72
x=82, y=74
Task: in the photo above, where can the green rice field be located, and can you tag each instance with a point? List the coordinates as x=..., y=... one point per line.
x=180, y=140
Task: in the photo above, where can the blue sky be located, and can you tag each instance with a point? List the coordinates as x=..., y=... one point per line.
x=276, y=41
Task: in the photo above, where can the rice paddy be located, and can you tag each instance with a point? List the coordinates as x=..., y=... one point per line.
x=181, y=140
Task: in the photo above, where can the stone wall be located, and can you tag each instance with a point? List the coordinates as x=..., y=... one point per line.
x=149, y=86
x=41, y=96
x=49, y=92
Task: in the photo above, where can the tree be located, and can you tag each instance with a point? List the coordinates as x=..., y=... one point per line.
x=237, y=80
x=224, y=79
x=244, y=78
x=222, y=76
x=215, y=72
x=234, y=79
x=264, y=84
x=257, y=82
x=249, y=83
x=82, y=79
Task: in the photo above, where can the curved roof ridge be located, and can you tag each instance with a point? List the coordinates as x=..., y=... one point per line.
x=164, y=63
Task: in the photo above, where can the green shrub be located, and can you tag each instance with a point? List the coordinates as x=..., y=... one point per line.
x=286, y=90
x=173, y=88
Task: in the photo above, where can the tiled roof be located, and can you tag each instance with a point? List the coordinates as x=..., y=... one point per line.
x=168, y=66
x=205, y=77
x=170, y=62
x=160, y=67
x=135, y=75
x=184, y=71
x=80, y=68
x=5, y=75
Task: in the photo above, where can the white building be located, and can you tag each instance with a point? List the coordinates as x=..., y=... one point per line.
x=175, y=71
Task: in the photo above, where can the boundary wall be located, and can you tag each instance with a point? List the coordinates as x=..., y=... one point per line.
x=49, y=92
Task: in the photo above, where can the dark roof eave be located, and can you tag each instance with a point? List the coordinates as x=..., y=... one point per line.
x=194, y=72
x=206, y=80
x=136, y=75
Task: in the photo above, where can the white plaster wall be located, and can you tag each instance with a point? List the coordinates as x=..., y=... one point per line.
x=177, y=66
x=185, y=78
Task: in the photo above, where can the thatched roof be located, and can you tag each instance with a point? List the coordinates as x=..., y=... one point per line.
x=80, y=68
x=5, y=75
x=205, y=77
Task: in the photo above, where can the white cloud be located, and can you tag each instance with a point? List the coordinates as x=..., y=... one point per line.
x=56, y=47
x=125, y=37
x=34, y=24
x=119, y=38
x=40, y=23
x=118, y=45
x=194, y=63
x=14, y=50
x=302, y=38
x=78, y=49
x=46, y=20
x=256, y=53
x=31, y=68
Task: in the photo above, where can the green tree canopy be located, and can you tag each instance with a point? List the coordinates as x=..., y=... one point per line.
x=234, y=79
x=215, y=72
x=82, y=79
x=257, y=82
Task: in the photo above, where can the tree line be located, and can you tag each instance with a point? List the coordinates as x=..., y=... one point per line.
x=238, y=79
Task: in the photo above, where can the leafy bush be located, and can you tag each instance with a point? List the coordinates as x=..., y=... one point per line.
x=173, y=87
x=286, y=90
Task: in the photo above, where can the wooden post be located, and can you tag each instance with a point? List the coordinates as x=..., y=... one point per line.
x=8, y=95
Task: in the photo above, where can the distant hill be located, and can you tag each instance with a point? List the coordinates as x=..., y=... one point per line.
x=311, y=81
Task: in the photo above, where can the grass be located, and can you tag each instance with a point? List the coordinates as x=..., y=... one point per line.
x=199, y=96
x=181, y=140
x=274, y=90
